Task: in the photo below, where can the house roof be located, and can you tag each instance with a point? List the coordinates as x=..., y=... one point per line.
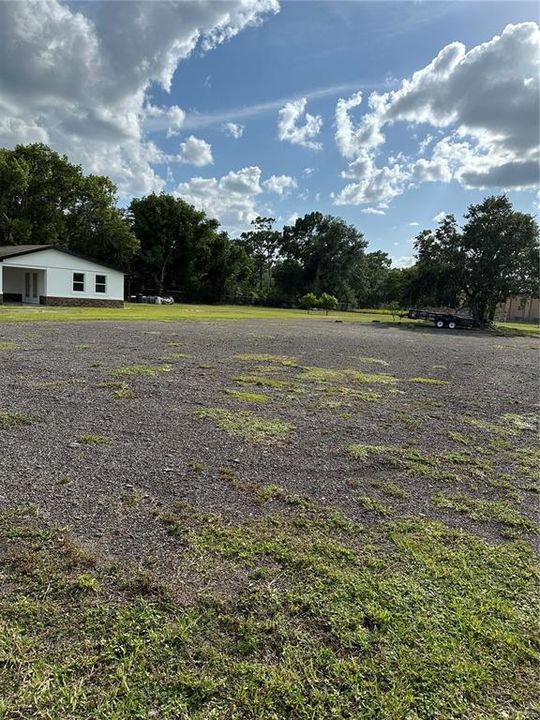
x=8, y=251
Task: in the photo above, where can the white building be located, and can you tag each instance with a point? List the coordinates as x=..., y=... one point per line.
x=47, y=275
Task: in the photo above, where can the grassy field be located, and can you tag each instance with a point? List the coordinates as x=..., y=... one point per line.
x=169, y=313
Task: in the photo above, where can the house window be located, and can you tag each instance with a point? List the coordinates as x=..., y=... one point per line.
x=101, y=283
x=78, y=282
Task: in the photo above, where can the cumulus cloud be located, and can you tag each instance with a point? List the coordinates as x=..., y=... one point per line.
x=439, y=217
x=231, y=199
x=195, y=151
x=297, y=126
x=485, y=99
x=279, y=184
x=372, y=211
x=77, y=76
x=413, y=224
x=234, y=130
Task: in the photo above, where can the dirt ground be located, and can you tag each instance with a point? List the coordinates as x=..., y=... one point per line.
x=158, y=447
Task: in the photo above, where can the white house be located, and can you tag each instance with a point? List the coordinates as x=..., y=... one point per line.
x=47, y=275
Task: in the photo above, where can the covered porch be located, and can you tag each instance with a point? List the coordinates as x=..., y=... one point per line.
x=24, y=285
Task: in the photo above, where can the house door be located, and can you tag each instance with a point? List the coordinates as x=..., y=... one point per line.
x=31, y=287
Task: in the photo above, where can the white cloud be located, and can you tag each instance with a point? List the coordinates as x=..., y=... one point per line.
x=77, y=76
x=290, y=128
x=486, y=99
x=403, y=261
x=234, y=130
x=195, y=151
x=308, y=172
x=372, y=211
x=413, y=224
x=439, y=217
x=231, y=199
x=292, y=219
x=279, y=184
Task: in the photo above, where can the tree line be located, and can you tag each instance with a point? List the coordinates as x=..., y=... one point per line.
x=168, y=246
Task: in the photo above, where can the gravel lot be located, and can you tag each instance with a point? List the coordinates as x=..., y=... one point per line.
x=108, y=492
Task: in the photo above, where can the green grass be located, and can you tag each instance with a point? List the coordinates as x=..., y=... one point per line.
x=285, y=360
x=171, y=313
x=261, y=381
x=10, y=419
x=142, y=369
x=318, y=620
x=500, y=512
x=246, y=425
x=8, y=345
x=249, y=397
x=329, y=375
x=93, y=440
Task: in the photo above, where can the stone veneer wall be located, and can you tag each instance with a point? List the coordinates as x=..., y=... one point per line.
x=79, y=302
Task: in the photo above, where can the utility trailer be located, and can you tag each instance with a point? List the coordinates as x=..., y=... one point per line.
x=441, y=319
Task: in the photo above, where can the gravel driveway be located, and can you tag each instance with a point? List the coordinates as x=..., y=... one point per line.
x=156, y=449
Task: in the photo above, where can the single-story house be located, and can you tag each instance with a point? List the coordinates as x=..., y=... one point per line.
x=48, y=275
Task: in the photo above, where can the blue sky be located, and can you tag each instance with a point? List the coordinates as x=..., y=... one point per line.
x=137, y=61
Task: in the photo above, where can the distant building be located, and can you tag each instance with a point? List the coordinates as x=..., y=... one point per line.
x=518, y=307
x=48, y=275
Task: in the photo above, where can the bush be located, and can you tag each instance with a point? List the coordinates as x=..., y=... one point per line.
x=309, y=301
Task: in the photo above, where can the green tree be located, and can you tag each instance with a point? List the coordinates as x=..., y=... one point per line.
x=328, y=302
x=173, y=236
x=46, y=200
x=262, y=243
x=494, y=256
x=370, y=279
x=309, y=301
x=327, y=249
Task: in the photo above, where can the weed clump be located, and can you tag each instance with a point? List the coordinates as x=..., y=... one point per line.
x=247, y=425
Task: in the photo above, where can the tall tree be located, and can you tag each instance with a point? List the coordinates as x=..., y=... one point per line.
x=262, y=243
x=494, y=256
x=45, y=199
x=328, y=250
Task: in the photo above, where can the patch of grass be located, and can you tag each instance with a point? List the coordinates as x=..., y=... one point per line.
x=439, y=367
x=58, y=383
x=488, y=510
x=372, y=505
x=85, y=583
x=458, y=437
x=173, y=357
x=10, y=419
x=521, y=422
x=261, y=381
x=373, y=361
x=390, y=488
x=197, y=467
x=142, y=369
x=330, y=375
x=285, y=360
x=83, y=346
x=366, y=451
x=249, y=397
x=247, y=425
x=93, y=440
x=124, y=393
x=132, y=499
x=428, y=381
x=420, y=621
x=8, y=345
x=487, y=427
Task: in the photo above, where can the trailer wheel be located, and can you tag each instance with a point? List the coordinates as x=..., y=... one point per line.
x=439, y=323
x=451, y=325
